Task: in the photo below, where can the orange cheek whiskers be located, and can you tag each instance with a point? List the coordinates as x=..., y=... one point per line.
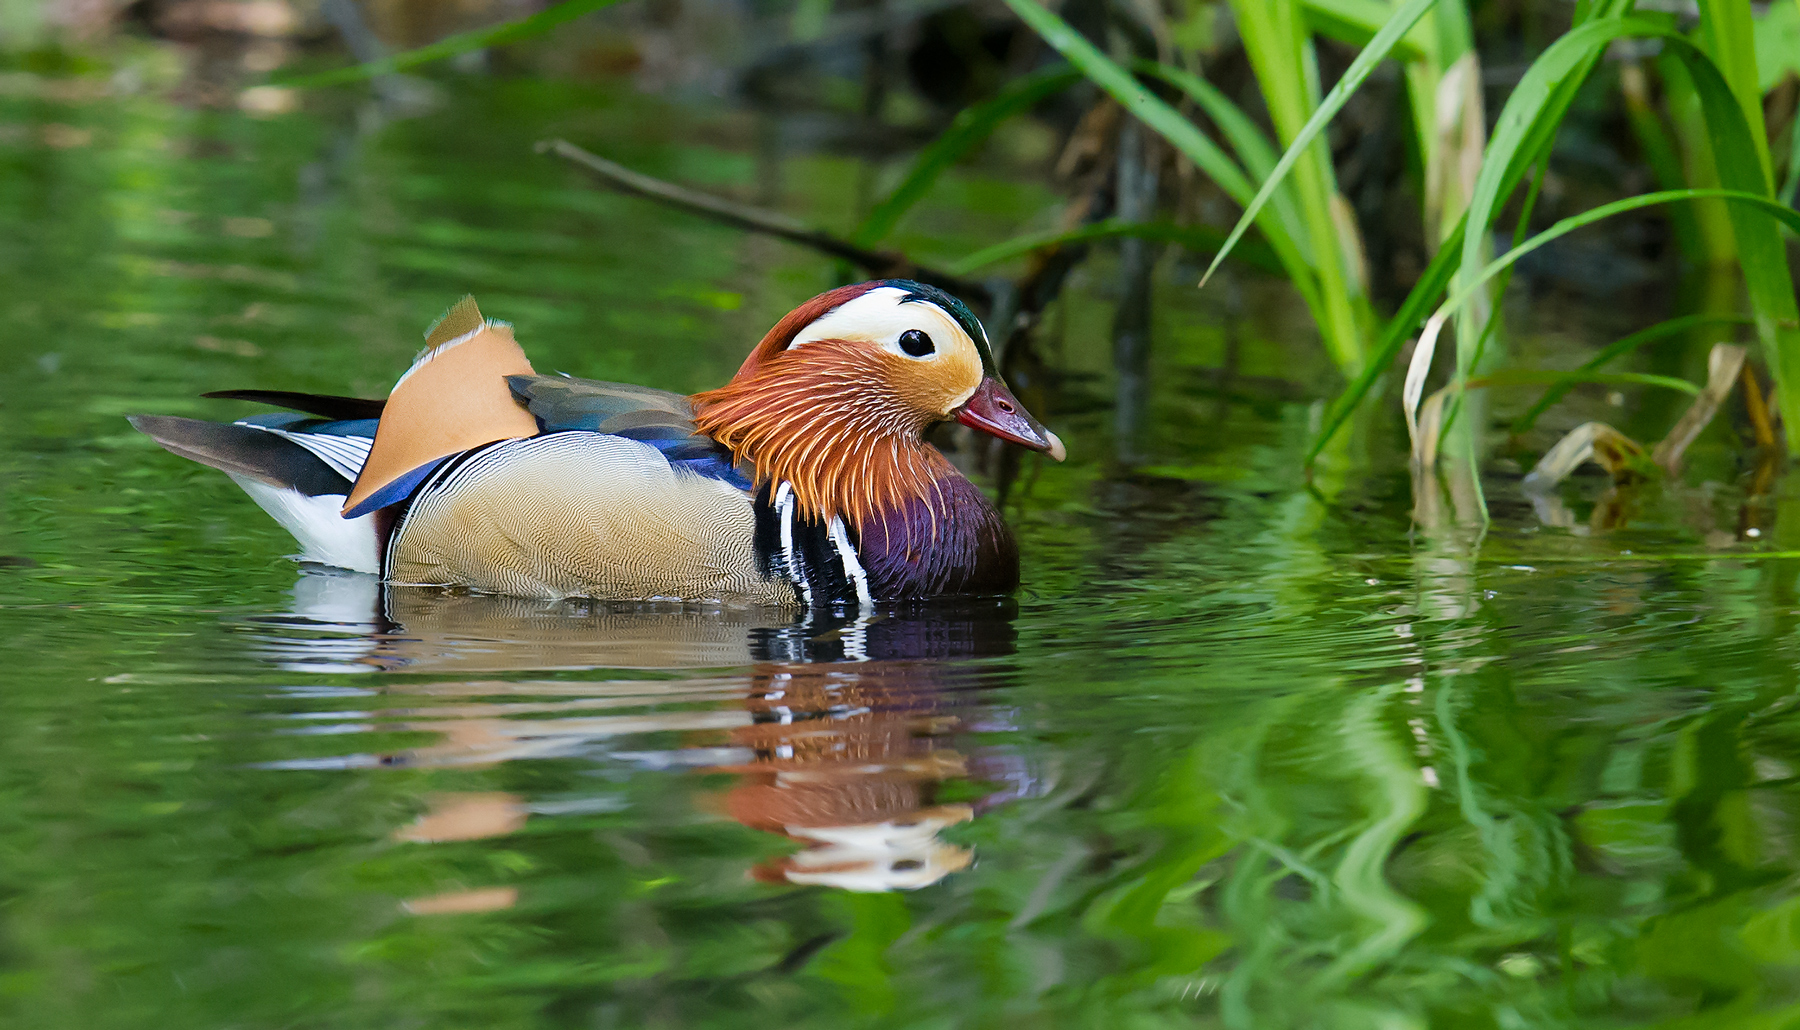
x=826, y=419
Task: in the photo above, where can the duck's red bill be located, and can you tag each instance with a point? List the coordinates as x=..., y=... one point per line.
x=993, y=409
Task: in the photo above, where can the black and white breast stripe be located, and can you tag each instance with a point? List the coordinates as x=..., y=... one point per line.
x=820, y=559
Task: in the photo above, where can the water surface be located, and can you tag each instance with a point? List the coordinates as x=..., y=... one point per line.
x=1241, y=753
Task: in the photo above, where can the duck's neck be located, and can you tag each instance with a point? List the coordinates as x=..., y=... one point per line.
x=958, y=544
x=824, y=420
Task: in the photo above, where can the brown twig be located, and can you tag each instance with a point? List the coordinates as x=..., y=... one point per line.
x=878, y=263
x=1753, y=405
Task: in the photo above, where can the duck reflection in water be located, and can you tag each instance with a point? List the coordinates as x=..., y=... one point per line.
x=839, y=731
x=846, y=760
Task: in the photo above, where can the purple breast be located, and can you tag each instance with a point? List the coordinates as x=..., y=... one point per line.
x=957, y=544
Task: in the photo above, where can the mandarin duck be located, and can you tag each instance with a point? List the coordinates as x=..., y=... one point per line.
x=804, y=481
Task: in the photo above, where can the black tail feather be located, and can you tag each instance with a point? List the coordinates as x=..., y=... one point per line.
x=322, y=405
x=245, y=451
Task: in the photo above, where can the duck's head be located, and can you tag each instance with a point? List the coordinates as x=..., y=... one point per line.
x=836, y=399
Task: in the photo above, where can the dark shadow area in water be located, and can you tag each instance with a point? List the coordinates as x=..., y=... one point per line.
x=351, y=622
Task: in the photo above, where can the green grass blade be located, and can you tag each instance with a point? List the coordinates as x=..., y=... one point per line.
x=1536, y=108
x=1564, y=382
x=1282, y=56
x=1532, y=114
x=1526, y=125
x=1728, y=34
x=971, y=126
x=1492, y=325
x=1792, y=187
x=1523, y=135
x=461, y=43
x=1741, y=156
x=1356, y=22
x=1184, y=135
x=1754, y=201
x=1147, y=107
x=1657, y=144
x=1413, y=311
x=1528, y=376
x=1359, y=70
x=1254, y=150
x=1538, y=103
x=1200, y=238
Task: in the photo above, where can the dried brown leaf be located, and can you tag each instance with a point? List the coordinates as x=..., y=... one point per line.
x=1598, y=442
x=1722, y=366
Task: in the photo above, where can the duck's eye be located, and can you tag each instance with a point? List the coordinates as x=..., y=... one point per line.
x=917, y=343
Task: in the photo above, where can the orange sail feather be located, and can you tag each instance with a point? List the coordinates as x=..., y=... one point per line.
x=453, y=398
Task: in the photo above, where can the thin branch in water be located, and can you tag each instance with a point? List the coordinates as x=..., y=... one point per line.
x=882, y=264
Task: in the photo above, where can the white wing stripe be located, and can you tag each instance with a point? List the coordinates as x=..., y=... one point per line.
x=345, y=454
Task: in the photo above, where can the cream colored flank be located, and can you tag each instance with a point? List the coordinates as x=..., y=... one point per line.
x=583, y=515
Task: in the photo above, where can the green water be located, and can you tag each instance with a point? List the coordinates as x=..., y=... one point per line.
x=1234, y=757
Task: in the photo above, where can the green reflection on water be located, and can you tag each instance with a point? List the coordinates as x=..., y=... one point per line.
x=1234, y=759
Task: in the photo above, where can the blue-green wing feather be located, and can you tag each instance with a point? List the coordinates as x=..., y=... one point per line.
x=664, y=420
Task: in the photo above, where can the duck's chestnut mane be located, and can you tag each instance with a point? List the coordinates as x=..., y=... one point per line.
x=826, y=419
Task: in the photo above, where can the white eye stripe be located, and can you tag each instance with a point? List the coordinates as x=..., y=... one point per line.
x=882, y=316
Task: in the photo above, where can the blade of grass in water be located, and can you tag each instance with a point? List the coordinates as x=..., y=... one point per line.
x=1253, y=147
x=1147, y=107
x=1728, y=35
x=1281, y=55
x=1413, y=311
x=1357, y=21
x=1537, y=107
x=1792, y=186
x=461, y=43
x=971, y=126
x=1437, y=275
x=1529, y=376
x=1563, y=383
x=1498, y=266
x=1504, y=164
x=1536, y=115
x=1491, y=325
x=1371, y=55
